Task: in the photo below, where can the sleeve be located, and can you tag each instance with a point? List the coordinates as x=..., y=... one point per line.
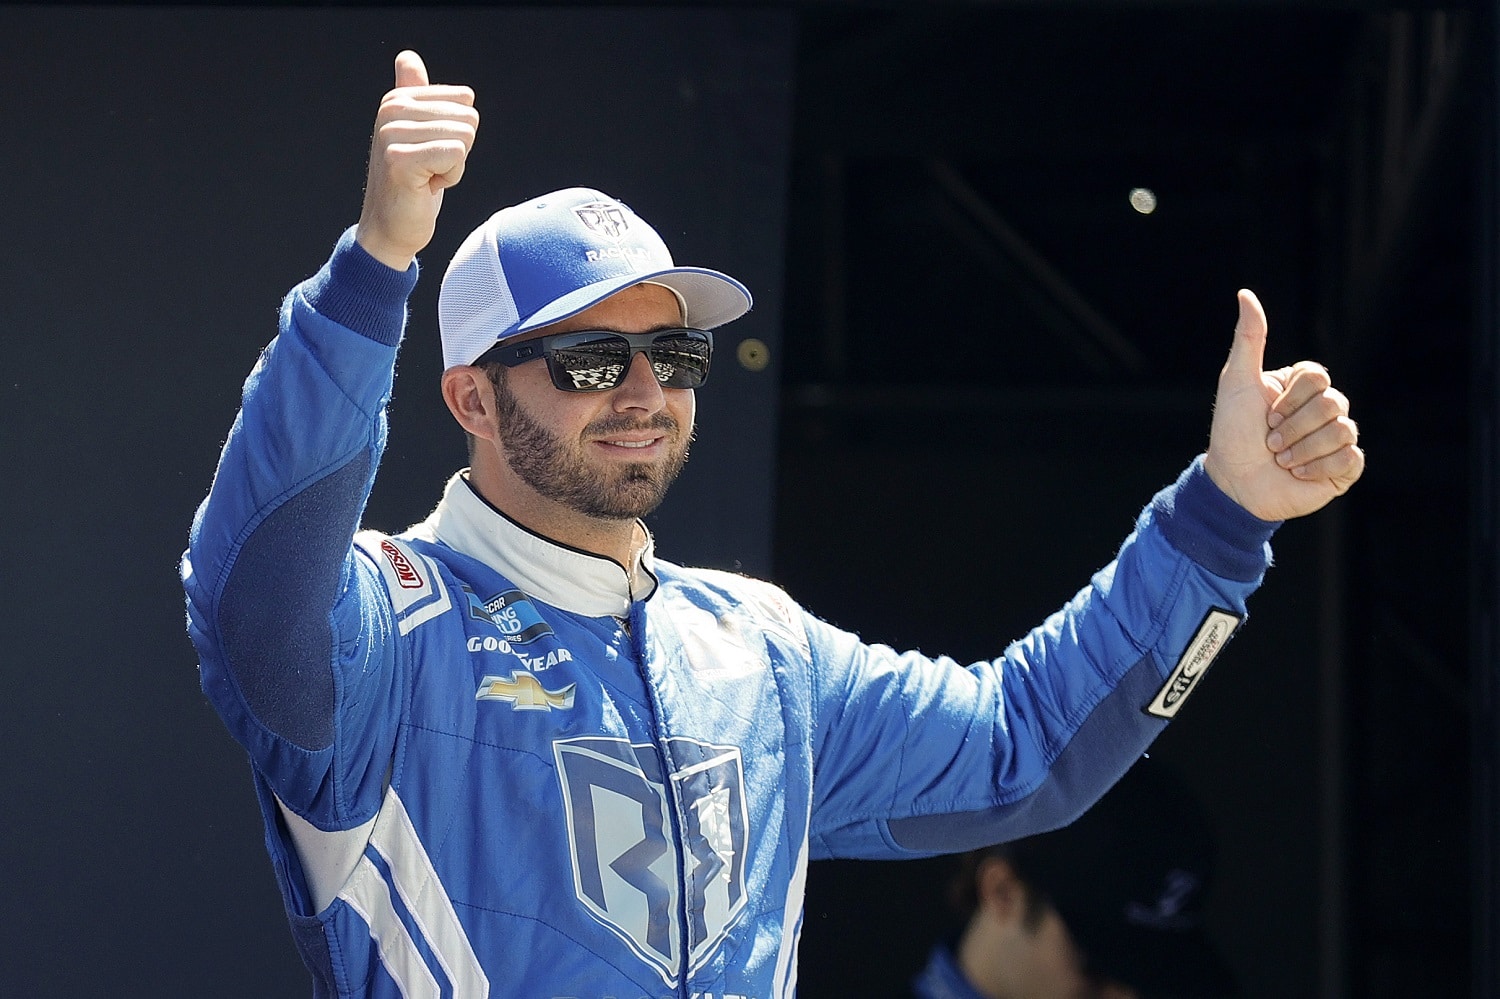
x=291, y=623
x=916, y=756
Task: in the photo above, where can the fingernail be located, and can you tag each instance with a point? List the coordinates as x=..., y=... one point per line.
x=1274, y=442
x=1284, y=459
x=1275, y=420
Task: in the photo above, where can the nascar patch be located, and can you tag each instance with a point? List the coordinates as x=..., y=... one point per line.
x=516, y=617
x=1217, y=628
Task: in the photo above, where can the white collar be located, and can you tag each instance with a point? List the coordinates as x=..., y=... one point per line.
x=567, y=578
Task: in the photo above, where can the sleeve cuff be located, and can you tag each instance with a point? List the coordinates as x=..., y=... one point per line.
x=359, y=292
x=1203, y=523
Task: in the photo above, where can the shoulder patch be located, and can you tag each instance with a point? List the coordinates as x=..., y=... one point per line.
x=417, y=592
x=1213, y=634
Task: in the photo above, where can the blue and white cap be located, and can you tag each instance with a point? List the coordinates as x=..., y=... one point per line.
x=532, y=264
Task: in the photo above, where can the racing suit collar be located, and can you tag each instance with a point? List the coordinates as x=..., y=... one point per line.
x=567, y=578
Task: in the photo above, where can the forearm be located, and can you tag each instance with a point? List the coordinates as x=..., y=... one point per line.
x=1024, y=743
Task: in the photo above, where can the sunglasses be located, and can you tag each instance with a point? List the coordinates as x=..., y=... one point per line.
x=597, y=360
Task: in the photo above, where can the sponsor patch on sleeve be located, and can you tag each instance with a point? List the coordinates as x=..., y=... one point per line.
x=417, y=592
x=1215, y=631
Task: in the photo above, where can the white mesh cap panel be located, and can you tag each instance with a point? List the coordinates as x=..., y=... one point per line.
x=475, y=305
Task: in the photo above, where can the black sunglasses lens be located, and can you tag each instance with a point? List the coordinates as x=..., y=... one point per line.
x=589, y=367
x=680, y=361
x=599, y=365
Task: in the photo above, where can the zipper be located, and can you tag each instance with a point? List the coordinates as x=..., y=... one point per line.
x=637, y=635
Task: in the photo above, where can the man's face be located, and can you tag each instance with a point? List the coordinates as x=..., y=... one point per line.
x=607, y=455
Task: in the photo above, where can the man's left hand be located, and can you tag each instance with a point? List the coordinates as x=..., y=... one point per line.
x=1282, y=444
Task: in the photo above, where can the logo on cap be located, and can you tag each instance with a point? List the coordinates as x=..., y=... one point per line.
x=603, y=217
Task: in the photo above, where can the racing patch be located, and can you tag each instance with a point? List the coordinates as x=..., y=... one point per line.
x=516, y=617
x=417, y=593
x=1217, y=628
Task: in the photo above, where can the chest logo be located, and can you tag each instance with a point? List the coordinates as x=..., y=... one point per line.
x=406, y=573
x=525, y=692
x=631, y=868
x=513, y=613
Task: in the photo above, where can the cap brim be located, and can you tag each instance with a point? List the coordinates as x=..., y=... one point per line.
x=712, y=298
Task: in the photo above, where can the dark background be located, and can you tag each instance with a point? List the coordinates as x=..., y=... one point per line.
x=983, y=363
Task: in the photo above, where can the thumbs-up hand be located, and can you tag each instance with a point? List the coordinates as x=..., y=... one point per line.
x=423, y=134
x=1282, y=444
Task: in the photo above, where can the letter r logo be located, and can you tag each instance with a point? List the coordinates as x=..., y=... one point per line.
x=625, y=859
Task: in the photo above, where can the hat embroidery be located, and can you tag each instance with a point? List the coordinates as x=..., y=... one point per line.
x=607, y=219
x=1166, y=912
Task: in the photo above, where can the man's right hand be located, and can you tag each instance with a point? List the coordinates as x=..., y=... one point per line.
x=423, y=134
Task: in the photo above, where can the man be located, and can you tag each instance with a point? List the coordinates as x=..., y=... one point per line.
x=1109, y=907
x=512, y=752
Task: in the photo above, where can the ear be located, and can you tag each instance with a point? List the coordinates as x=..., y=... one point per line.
x=471, y=399
x=1002, y=894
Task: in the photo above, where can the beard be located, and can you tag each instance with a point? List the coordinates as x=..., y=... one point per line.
x=559, y=469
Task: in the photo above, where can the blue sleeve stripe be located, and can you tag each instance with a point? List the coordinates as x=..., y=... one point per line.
x=1113, y=737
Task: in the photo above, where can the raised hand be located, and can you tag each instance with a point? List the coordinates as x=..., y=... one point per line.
x=423, y=134
x=1282, y=444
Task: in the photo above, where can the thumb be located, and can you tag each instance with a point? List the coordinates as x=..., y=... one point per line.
x=410, y=70
x=1248, y=353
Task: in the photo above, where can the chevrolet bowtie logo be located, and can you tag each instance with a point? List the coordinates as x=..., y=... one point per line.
x=525, y=692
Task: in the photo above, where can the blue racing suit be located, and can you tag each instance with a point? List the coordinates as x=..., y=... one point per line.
x=491, y=764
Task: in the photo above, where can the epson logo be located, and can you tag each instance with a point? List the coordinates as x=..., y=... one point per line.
x=406, y=573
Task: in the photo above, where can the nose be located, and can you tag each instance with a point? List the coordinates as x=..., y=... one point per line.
x=639, y=389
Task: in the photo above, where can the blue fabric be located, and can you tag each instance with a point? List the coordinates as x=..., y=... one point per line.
x=359, y=292
x=1207, y=526
x=574, y=809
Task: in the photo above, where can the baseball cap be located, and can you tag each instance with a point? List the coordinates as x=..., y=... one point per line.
x=532, y=264
x=1128, y=879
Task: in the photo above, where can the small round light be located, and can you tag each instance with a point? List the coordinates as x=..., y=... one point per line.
x=1143, y=200
x=753, y=354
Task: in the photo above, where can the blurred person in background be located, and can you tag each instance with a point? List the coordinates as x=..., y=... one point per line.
x=1110, y=907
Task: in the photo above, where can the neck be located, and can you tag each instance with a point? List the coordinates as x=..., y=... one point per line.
x=622, y=541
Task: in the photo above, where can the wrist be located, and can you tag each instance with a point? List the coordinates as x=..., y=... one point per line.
x=397, y=258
